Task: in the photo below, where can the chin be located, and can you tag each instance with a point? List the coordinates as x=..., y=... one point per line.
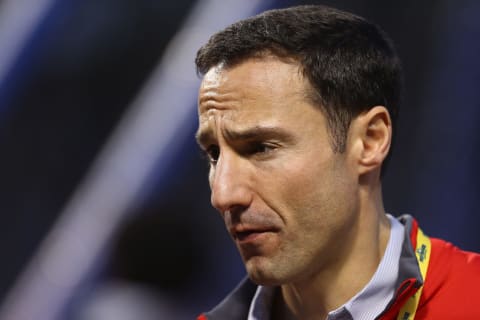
x=264, y=281
x=264, y=273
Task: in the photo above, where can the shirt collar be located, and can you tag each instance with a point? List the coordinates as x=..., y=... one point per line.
x=366, y=304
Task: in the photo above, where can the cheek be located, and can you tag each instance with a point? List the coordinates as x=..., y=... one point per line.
x=304, y=179
x=305, y=196
x=316, y=195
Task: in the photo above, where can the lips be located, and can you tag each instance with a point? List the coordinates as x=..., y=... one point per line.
x=251, y=227
x=244, y=235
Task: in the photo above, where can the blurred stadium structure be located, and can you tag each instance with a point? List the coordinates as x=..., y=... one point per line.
x=104, y=197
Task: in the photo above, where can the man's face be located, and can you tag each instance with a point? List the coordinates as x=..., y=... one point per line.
x=288, y=201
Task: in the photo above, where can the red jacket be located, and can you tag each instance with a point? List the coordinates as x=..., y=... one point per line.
x=451, y=289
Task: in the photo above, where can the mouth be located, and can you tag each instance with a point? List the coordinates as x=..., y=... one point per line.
x=245, y=235
x=249, y=236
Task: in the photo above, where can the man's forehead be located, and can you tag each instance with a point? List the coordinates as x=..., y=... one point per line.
x=256, y=68
x=252, y=79
x=215, y=91
x=257, y=92
x=213, y=120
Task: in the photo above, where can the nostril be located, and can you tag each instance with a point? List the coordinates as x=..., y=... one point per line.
x=236, y=210
x=234, y=213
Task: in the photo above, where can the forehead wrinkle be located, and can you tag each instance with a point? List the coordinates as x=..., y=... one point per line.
x=220, y=97
x=217, y=91
x=214, y=100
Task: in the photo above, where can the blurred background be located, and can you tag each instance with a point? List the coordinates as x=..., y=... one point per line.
x=104, y=200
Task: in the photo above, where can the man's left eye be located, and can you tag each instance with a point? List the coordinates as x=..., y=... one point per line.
x=261, y=148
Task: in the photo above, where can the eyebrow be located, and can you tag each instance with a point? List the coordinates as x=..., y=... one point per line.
x=265, y=132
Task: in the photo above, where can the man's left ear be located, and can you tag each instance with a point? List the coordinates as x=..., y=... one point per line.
x=373, y=136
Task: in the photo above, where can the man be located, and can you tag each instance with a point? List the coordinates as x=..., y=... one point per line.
x=296, y=114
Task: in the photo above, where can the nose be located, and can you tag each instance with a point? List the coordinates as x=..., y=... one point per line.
x=229, y=183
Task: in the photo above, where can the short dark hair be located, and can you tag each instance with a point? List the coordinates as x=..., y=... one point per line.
x=350, y=63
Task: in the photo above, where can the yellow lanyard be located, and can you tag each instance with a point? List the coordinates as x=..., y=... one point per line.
x=422, y=251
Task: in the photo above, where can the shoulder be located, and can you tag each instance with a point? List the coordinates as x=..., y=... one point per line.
x=451, y=285
x=452, y=266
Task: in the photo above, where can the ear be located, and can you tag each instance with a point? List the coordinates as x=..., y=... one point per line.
x=373, y=135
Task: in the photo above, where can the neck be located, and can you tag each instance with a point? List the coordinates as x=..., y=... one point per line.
x=357, y=260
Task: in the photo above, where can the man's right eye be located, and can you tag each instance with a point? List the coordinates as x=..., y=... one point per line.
x=213, y=152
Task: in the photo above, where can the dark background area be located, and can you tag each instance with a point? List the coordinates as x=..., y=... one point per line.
x=86, y=62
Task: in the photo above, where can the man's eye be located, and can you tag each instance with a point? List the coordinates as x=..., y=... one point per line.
x=261, y=148
x=213, y=152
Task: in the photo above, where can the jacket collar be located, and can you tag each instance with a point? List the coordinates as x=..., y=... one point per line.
x=409, y=278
